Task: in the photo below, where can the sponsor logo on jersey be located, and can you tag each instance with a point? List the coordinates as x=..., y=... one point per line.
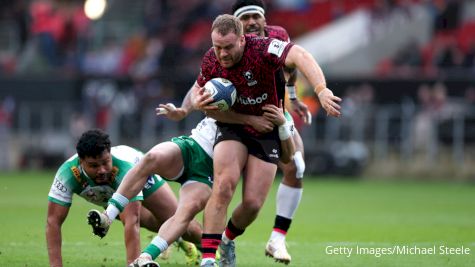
x=249, y=78
x=277, y=47
x=77, y=175
x=60, y=186
x=252, y=101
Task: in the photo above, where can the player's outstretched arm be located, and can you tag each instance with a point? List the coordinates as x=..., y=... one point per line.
x=302, y=60
x=130, y=217
x=174, y=113
x=56, y=215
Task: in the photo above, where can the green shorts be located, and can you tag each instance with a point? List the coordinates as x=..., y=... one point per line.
x=153, y=183
x=198, y=166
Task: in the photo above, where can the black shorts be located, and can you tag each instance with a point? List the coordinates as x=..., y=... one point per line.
x=266, y=147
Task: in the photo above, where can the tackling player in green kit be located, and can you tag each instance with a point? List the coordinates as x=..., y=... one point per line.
x=94, y=174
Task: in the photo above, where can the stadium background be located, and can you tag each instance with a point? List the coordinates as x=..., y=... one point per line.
x=405, y=69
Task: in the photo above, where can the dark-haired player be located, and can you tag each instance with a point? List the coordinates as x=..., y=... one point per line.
x=94, y=174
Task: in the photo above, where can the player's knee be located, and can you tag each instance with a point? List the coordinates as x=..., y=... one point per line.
x=224, y=192
x=192, y=208
x=151, y=157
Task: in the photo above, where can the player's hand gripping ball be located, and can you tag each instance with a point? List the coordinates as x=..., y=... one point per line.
x=222, y=91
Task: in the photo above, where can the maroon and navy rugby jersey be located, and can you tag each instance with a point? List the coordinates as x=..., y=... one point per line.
x=254, y=76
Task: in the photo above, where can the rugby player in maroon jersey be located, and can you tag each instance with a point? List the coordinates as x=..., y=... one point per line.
x=246, y=147
x=252, y=15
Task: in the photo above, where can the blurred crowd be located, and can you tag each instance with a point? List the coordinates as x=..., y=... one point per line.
x=450, y=52
x=127, y=63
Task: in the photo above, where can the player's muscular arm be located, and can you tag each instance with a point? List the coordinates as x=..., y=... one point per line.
x=130, y=218
x=55, y=218
x=302, y=60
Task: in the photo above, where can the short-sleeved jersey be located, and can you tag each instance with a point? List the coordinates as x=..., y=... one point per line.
x=72, y=179
x=253, y=76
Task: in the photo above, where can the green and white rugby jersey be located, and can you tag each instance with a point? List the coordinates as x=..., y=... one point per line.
x=71, y=179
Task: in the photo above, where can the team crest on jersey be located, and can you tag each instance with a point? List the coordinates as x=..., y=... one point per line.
x=249, y=78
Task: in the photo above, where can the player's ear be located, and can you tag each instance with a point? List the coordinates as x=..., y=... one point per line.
x=242, y=40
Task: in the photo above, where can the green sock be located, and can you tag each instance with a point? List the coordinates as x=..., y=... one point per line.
x=153, y=250
x=157, y=246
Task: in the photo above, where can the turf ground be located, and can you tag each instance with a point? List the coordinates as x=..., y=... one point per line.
x=334, y=213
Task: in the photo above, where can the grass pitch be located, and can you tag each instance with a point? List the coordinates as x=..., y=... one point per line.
x=335, y=216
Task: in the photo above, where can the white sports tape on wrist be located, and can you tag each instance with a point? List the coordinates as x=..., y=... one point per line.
x=285, y=131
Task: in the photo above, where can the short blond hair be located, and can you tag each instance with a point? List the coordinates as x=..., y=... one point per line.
x=226, y=23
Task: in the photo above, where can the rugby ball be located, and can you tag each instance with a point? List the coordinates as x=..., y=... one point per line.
x=222, y=91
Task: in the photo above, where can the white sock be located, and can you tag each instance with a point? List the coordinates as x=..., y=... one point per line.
x=112, y=212
x=288, y=200
x=160, y=243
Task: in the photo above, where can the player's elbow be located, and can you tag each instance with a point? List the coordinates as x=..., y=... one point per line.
x=152, y=158
x=297, y=57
